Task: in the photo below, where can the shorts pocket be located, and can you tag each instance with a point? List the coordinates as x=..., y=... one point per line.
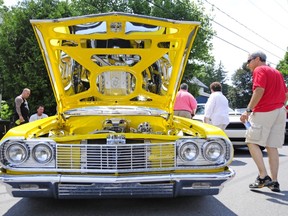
x=254, y=132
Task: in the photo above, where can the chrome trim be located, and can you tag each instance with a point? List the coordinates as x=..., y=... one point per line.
x=6, y=150
x=79, y=186
x=120, y=158
x=221, y=156
x=33, y=151
x=58, y=178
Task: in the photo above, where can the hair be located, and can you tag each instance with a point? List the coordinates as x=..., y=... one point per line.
x=40, y=105
x=184, y=86
x=26, y=90
x=216, y=86
x=259, y=54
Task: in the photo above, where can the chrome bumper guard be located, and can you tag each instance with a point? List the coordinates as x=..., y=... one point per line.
x=82, y=186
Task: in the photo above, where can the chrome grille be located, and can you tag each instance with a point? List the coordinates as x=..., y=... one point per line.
x=69, y=190
x=115, y=158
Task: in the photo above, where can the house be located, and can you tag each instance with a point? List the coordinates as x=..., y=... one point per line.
x=203, y=96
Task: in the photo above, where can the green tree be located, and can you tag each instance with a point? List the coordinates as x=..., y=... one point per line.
x=214, y=74
x=200, y=58
x=239, y=95
x=200, y=55
x=21, y=62
x=283, y=67
x=5, y=111
x=220, y=75
x=85, y=7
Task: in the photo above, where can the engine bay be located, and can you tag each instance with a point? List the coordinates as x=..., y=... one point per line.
x=96, y=125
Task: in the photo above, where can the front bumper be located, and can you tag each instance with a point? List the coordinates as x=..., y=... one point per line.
x=82, y=186
x=237, y=136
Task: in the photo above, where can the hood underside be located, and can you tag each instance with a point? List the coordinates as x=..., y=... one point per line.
x=115, y=59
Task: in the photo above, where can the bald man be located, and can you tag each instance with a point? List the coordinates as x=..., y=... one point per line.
x=21, y=114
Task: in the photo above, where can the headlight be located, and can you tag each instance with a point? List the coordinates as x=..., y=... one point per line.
x=16, y=153
x=42, y=153
x=212, y=151
x=188, y=151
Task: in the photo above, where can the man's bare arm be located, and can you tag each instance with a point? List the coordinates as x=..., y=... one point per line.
x=256, y=96
x=18, y=102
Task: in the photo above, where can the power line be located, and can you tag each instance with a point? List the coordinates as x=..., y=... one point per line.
x=266, y=14
x=271, y=63
x=245, y=26
x=230, y=43
x=281, y=6
x=245, y=38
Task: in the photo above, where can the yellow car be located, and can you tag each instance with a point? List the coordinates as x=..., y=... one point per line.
x=115, y=77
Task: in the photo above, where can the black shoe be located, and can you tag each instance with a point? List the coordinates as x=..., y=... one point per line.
x=259, y=183
x=274, y=186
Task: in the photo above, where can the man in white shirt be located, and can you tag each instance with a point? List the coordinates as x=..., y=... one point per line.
x=217, y=107
x=39, y=115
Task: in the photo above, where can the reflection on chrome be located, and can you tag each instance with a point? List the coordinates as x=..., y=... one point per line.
x=119, y=110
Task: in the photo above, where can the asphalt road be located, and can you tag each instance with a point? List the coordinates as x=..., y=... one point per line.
x=235, y=199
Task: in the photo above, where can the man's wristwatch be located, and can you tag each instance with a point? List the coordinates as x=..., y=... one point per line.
x=248, y=110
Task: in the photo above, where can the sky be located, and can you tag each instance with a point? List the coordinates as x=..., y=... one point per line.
x=10, y=2
x=249, y=25
x=245, y=26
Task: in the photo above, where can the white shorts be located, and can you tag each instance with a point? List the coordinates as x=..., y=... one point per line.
x=267, y=128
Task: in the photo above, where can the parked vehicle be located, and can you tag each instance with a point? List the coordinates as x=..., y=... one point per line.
x=115, y=77
x=236, y=130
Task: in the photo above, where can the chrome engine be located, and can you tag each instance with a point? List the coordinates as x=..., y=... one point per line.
x=122, y=126
x=116, y=125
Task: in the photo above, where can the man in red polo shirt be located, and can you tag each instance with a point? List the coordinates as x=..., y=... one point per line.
x=267, y=116
x=185, y=104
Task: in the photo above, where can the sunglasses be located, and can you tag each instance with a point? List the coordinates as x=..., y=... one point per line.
x=249, y=60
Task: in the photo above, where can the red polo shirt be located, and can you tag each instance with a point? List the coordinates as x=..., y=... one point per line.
x=273, y=82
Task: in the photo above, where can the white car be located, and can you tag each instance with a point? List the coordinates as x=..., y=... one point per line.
x=235, y=130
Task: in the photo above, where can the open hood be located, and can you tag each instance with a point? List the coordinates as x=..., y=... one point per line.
x=115, y=59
